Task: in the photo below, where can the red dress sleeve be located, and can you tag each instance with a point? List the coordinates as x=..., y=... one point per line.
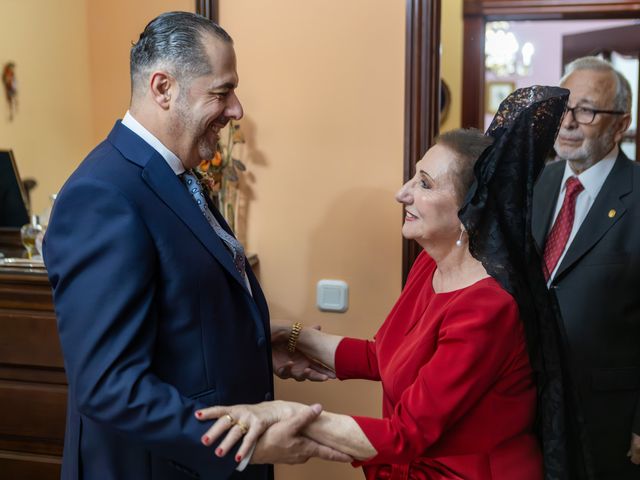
x=475, y=341
x=356, y=358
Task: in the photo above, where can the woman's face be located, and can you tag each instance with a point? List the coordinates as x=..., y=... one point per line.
x=430, y=202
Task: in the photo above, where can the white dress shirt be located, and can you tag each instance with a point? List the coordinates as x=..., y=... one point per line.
x=176, y=165
x=170, y=157
x=592, y=180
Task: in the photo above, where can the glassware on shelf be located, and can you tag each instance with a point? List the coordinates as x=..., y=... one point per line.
x=28, y=233
x=44, y=216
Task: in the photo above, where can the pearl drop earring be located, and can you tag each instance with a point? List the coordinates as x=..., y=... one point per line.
x=459, y=241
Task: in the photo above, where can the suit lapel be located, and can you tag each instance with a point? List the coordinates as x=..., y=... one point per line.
x=168, y=187
x=606, y=210
x=174, y=194
x=545, y=197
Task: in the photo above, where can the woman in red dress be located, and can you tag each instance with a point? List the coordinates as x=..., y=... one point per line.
x=459, y=397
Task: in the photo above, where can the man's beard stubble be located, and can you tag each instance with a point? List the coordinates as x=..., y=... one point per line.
x=590, y=152
x=206, y=149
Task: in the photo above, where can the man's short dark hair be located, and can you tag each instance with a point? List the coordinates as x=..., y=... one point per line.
x=173, y=41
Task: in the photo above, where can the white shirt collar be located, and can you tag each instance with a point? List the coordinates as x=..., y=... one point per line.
x=593, y=177
x=170, y=157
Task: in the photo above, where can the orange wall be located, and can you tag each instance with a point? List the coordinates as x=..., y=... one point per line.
x=451, y=59
x=51, y=131
x=322, y=85
x=113, y=26
x=72, y=63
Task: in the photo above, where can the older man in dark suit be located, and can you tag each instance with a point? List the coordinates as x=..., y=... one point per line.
x=587, y=223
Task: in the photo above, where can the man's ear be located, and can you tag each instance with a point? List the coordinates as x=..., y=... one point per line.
x=163, y=87
x=621, y=126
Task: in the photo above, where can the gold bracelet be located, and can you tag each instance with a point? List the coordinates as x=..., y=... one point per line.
x=296, y=328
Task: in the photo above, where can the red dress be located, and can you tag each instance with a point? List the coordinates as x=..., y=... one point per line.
x=459, y=396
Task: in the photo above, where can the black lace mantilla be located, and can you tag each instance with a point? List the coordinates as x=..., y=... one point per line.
x=497, y=216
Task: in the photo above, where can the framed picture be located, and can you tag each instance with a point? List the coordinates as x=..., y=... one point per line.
x=495, y=92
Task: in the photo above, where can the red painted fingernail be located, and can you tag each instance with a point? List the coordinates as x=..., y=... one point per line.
x=219, y=452
x=205, y=439
x=199, y=414
x=238, y=458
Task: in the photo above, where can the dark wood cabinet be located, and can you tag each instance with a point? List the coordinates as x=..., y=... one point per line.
x=33, y=386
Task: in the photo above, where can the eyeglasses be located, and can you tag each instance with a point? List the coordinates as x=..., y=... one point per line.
x=586, y=116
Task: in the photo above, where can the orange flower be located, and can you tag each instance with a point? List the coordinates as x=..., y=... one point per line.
x=204, y=165
x=217, y=160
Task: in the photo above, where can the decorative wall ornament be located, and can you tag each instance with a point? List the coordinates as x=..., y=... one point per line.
x=10, y=87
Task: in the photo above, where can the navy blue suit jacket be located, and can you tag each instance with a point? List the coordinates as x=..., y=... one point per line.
x=154, y=320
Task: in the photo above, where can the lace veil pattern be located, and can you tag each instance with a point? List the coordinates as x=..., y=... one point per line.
x=497, y=215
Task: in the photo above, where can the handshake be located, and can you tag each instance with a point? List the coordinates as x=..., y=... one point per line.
x=274, y=431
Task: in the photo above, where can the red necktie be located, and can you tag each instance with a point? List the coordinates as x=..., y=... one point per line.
x=559, y=234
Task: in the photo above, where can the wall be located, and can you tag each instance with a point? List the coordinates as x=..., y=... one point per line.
x=451, y=59
x=322, y=84
x=113, y=26
x=72, y=65
x=51, y=130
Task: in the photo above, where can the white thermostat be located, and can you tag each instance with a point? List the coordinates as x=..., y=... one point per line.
x=332, y=296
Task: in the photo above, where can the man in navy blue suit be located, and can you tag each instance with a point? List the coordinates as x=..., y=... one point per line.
x=158, y=312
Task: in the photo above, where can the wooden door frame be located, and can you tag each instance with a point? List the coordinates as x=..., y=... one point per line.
x=422, y=64
x=422, y=95
x=476, y=13
x=208, y=8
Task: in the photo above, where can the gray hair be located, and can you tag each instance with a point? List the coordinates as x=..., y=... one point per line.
x=173, y=41
x=622, y=100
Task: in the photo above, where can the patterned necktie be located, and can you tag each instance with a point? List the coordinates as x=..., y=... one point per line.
x=561, y=230
x=234, y=246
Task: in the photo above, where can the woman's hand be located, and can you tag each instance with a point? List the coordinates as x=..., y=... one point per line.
x=294, y=365
x=248, y=421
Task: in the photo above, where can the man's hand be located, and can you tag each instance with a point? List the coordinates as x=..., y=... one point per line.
x=634, y=451
x=295, y=365
x=284, y=442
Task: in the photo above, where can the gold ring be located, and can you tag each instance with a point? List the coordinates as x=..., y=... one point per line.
x=243, y=428
x=230, y=418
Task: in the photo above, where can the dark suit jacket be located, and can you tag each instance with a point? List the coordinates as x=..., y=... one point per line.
x=597, y=288
x=154, y=320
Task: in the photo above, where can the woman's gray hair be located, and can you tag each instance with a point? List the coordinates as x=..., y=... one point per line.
x=173, y=41
x=622, y=99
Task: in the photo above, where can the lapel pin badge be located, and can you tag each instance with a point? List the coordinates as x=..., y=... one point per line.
x=612, y=213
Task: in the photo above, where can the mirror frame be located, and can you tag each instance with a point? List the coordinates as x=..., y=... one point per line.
x=422, y=95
